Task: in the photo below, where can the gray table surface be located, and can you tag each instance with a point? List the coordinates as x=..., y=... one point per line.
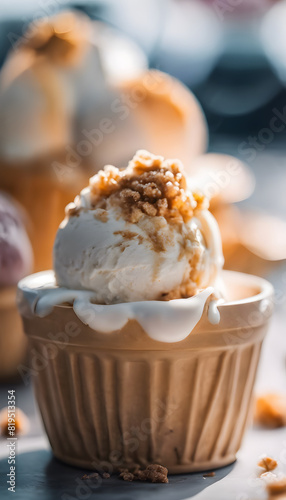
x=40, y=476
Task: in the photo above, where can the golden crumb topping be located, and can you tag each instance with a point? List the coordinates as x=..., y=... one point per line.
x=150, y=185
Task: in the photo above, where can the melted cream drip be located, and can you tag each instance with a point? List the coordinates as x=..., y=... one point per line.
x=213, y=312
x=170, y=321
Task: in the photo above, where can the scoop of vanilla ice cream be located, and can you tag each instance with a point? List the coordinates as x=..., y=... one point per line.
x=60, y=83
x=137, y=234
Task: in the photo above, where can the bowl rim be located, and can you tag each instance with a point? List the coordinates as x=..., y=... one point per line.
x=261, y=304
x=266, y=289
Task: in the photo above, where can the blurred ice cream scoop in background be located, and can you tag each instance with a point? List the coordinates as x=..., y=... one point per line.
x=63, y=68
x=62, y=72
x=16, y=257
x=167, y=116
x=16, y=261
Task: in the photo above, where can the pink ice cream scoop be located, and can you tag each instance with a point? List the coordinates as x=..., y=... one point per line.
x=16, y=255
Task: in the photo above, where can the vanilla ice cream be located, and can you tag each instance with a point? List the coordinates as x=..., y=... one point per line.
x=138, y=234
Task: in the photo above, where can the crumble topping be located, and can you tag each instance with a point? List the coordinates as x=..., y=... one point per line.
x=72, y=210
x=101, y=215
x=150, y=185
x=130, y=235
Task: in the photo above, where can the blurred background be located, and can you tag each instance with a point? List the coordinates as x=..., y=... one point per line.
x=87, y=83
x=229, y=53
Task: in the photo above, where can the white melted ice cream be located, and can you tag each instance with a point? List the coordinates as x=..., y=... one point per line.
x=170, y=321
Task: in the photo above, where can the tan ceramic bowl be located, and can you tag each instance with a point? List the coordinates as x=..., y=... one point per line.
x=122, y=399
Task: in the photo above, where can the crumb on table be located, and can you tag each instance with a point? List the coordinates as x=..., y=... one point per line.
x=277, y=486
x=267, y=463
x=127, y=476
x=93, y=475
x=20, y=422
x=270, y=410
x=154, y=473
x=96, y=475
